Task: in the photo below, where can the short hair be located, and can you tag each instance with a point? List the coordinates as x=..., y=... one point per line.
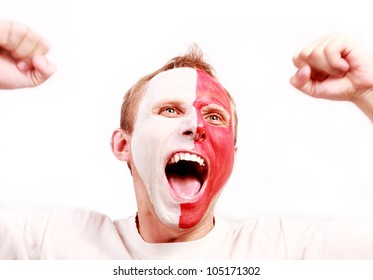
x=193, y=59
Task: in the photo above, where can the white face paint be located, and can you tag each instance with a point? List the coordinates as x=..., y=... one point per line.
x=156, y=137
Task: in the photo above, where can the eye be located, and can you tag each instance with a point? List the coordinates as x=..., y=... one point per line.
x=215, y=119
x=170, y=112
x=215, y=115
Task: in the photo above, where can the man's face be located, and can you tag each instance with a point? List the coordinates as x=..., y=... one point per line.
x=183, y=144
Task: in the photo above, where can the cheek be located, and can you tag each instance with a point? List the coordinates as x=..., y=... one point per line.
x=154, y=131
x=220, y=149
x=150, y=135
x=222, y=143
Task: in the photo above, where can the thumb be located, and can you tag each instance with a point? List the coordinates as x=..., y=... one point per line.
x=302, y=79
x=43, y=69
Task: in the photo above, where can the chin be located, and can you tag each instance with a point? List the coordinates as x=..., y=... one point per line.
x=185, y=224
x=193, y=213
x=189, y=217
x=182, y=223
x=169, y=220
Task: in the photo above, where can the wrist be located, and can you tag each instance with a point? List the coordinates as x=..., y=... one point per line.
x=365, y=103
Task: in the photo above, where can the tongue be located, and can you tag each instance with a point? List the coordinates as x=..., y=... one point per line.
x=185, y=186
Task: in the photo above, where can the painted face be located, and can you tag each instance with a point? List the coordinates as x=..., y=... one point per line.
x=183, y=144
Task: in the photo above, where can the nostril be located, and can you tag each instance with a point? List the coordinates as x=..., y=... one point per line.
x=199, y=135
x=188, y=133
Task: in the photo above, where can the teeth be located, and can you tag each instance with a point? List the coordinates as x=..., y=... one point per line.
x=187, y=157
x=194, y=158
x=176, y=158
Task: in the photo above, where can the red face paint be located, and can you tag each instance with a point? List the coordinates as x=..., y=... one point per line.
x=216, y=144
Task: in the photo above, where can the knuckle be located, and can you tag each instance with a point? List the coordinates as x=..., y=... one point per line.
x=16, y=34
x=304, y=54
x=4, y=31
x=316, y=54
x=32, y=36
x=42, y=46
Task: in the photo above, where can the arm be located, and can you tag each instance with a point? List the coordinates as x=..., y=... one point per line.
x=22, y=233
x=23, y=61
x=336, y=68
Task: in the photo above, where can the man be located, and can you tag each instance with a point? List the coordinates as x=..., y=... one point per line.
x=178, y=134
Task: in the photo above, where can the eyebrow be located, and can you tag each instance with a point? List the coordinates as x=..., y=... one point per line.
x=213, y=100
x=167, y=101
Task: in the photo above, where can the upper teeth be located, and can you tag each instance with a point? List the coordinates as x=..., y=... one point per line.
x=188, y=157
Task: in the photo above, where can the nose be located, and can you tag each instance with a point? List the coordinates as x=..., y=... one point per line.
x=199, y=134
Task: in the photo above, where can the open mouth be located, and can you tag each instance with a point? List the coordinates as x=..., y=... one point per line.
x=186, y=174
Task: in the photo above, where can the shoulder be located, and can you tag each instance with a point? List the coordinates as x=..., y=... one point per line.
x=77, y=233
x=269, y=236
x=78, y=218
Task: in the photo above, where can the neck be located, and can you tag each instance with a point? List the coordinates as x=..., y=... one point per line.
x=152, y=230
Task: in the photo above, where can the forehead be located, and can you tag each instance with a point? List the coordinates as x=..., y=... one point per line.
x=177, y=83
x=186, y=84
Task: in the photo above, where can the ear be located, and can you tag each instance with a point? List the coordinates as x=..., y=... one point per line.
x=120, y=145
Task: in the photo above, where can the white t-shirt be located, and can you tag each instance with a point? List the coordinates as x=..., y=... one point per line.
x=65, y=233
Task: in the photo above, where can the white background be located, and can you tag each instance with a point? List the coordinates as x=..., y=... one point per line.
x=296, y=155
